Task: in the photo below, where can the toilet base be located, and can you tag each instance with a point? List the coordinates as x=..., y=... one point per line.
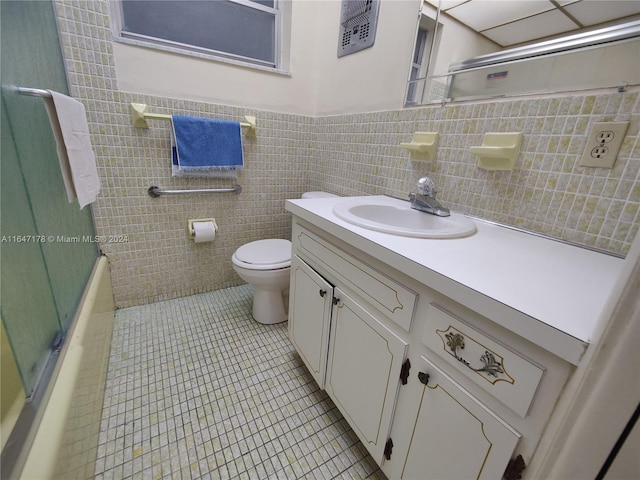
x=268, y=306
x=271, y=287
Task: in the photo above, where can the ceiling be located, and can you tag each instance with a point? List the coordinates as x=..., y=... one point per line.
x=512, y=22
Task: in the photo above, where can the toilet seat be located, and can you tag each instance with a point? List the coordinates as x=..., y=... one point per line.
x=269, y=254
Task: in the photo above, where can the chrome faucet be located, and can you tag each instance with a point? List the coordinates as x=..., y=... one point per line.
x=425, y=199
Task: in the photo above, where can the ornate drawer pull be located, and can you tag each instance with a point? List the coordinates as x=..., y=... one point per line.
x=490, y=365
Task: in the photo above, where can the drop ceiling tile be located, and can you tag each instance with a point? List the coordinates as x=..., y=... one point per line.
x=483, y=14
x=531, y=28
x=592, y=12
x=446, y=3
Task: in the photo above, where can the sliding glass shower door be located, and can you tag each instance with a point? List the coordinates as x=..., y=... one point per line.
x=46, y=256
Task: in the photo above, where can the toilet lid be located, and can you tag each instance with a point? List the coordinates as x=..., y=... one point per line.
x=265, y=252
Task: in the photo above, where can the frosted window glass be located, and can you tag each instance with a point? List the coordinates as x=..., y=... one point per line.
x=266, y=3
x=222, y=26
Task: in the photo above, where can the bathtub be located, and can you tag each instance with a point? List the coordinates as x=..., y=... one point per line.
x=64, y=443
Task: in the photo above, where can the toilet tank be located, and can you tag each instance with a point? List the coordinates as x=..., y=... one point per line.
x=317, y=195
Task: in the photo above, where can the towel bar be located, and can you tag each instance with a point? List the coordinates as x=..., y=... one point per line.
x=155, y=191
x=138, y=115
x=34, y=92
x=139, y=118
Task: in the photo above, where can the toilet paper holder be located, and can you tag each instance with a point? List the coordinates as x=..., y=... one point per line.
x=191, y=231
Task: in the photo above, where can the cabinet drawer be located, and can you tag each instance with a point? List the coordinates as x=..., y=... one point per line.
x=508, y=376
x=392, y=299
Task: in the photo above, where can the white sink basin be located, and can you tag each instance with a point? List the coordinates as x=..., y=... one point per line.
x=394, y=216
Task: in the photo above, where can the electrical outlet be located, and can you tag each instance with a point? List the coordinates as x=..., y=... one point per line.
x=603, y=144
x=605, y=136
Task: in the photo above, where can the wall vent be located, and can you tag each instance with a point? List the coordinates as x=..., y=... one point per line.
x=358, y=22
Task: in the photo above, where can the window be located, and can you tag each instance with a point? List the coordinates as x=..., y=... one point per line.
x=416, y=65
x=420, y=61
x=246, y=31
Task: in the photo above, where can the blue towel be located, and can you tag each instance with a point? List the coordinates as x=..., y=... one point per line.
x=206, y=147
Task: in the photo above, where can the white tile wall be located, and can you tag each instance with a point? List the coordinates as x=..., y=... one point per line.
x=347, y=154
x=547, y=192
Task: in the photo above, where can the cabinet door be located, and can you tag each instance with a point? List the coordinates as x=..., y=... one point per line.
x=455, y=437
x=363, y=373
x=310, y=298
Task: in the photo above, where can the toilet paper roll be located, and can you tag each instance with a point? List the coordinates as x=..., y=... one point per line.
x=204, y=232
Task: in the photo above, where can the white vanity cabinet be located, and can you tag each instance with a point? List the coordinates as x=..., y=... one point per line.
x=363, y=372
x=453, y=436
x=310, y=301
x=370, y=329
x=346, y=346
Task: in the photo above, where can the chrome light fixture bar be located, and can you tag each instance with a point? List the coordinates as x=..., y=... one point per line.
x=615, y=33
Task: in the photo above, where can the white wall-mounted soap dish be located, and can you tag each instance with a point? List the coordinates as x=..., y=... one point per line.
x=498, y=150
x=422, y=146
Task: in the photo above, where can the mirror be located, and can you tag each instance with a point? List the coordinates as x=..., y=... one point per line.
x=471, y=49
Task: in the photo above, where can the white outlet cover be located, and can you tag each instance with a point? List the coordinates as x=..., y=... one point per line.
x=603, y=153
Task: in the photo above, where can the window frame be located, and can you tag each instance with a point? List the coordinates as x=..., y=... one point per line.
x=417, y=64
x=416, y=87
x=155, y=43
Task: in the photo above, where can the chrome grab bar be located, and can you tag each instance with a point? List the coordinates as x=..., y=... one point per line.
x=34, y=92
x=155, y=191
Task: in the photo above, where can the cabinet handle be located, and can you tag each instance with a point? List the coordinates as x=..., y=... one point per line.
x=490, y=364
x=423, y=377
x=388, y=449
x=514, y=468
x=336, y=300
x=322, y=293
x=404, y=371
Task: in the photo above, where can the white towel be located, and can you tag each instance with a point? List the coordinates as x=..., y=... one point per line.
x=77, y=160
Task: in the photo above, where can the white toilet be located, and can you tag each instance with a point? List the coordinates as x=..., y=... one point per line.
x=266, y=265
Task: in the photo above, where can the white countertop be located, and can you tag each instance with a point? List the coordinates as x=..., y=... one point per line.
x=546, y=291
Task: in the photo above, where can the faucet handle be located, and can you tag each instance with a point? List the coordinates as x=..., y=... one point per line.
x=426, y=187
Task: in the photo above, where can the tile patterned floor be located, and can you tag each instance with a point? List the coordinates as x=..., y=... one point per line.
x=198, y=390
